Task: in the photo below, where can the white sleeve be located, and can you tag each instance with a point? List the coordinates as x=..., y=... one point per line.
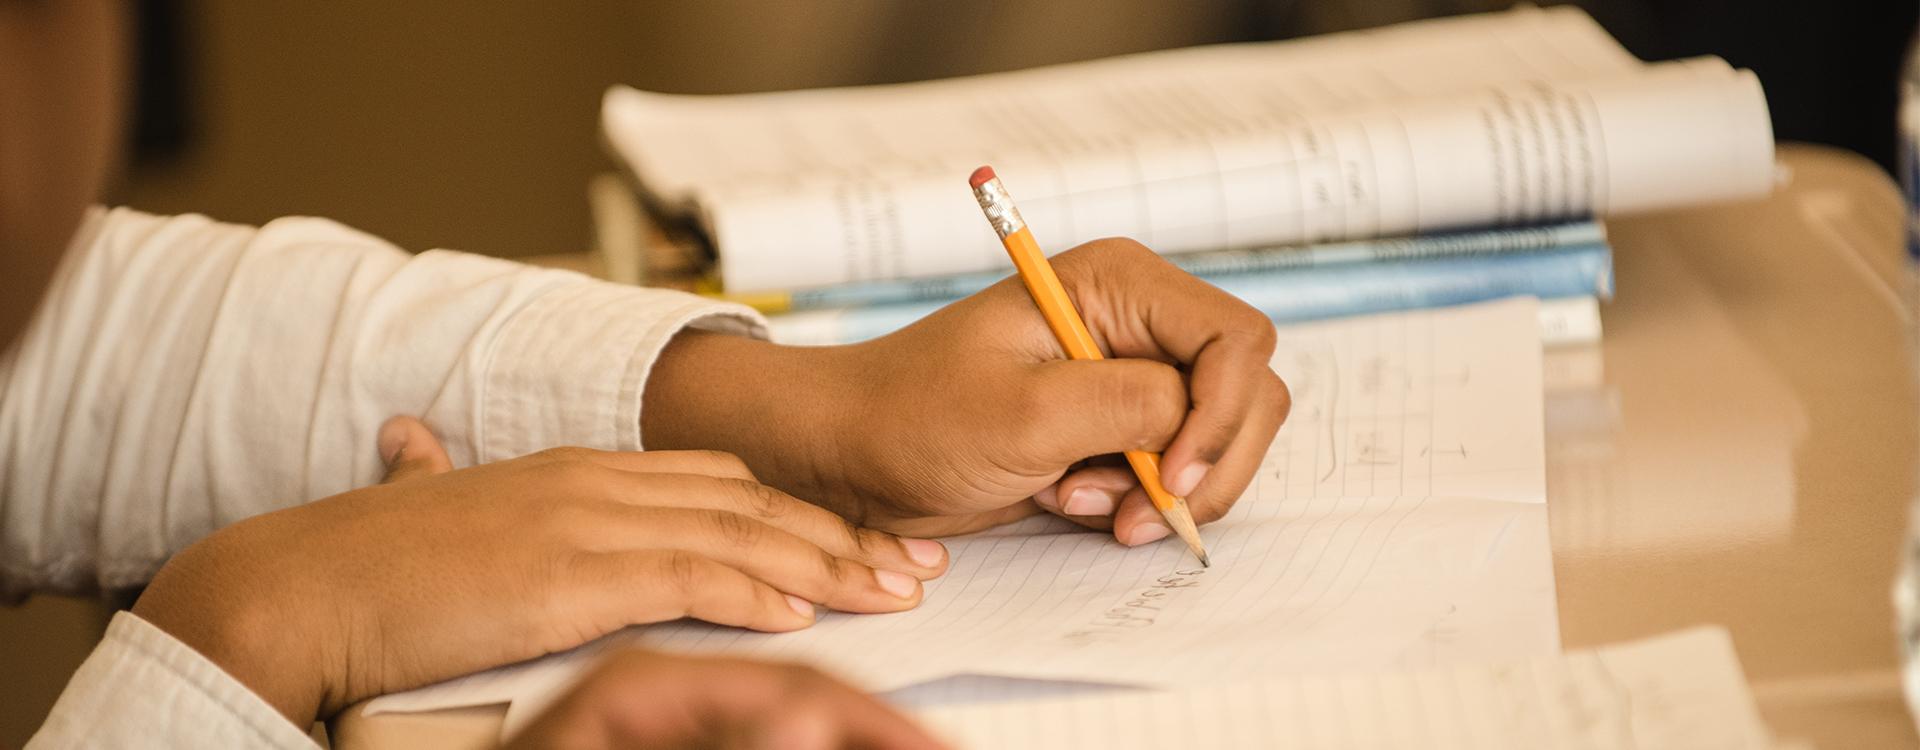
x=183, y=374
x=142, y=688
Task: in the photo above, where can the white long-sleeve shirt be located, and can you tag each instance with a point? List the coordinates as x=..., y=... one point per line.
x=183, y=374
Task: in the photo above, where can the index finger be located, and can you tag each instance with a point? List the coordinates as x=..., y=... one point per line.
x=1143, y=306
x=922, y=558
x=707, y=463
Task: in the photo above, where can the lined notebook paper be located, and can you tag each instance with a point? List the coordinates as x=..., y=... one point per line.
x=1682, y=690
x=1397, y=523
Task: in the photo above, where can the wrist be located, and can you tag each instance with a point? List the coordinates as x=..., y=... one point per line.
x=789, y=412
x=214, y=606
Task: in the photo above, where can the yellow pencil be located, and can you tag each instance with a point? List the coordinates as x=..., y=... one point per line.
x=1057, y=308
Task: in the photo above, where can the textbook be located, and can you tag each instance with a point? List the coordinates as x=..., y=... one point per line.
x=1214, y=264
x=1304, y=294
x=1520, y=117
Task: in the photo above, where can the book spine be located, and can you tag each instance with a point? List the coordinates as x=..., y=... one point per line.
x=1217, y=263
x=1340, y=291
x=892, y=292
x=1304, y=294
x=1391, y=250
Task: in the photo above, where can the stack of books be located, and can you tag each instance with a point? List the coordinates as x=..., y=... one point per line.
x=1568, y=266
x=1433, y=163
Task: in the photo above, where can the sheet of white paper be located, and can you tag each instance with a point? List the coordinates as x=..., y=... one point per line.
x=1683, y=689
x=1420, y=404
x=682, y=145
x=1671, y=135
x=1397, y=523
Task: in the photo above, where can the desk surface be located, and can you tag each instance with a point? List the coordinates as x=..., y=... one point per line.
x=1739, y=450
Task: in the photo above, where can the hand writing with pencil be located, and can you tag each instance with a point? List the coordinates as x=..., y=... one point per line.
x=972, y=417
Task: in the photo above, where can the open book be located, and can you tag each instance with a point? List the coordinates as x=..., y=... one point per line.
x=1523, y=116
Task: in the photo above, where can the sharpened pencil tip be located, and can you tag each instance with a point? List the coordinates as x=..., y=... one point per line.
x=1181, y=520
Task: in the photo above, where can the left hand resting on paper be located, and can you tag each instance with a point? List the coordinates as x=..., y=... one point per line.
x=972, y=417
x=436, y=573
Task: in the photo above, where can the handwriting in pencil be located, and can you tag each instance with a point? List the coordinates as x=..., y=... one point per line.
x=1141, y=609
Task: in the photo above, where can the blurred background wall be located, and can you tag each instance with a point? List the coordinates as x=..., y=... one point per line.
x=471, y=125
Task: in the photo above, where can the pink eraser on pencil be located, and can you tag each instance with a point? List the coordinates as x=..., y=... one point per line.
x=980, y=176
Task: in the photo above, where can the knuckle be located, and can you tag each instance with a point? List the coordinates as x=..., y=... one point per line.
x=1218, y=432
x=1278, y=396
x=564, y=454
x=833, y=568
x=1253, y=335
x=564, y=475
x=1167, y=388
x=1265, y=336
x=679, y=572
x=761, y=500
x=1154, y=393
x=548, y=469
x=1125, y=257
x=1210, y=512
x=726, y=464
x=866, y=542
x=734, y=529
x=1123, y=248
x=1105, y=255
x=583, y=480
x=751, y=498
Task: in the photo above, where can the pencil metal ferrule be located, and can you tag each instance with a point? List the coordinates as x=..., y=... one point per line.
x=999, y=208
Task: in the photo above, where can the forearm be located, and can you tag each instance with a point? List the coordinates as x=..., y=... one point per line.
x=185, y=374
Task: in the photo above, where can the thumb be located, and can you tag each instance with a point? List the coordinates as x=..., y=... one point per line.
x=410, y=450
x=1081, y=409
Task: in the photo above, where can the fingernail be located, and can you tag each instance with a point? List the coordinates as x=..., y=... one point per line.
x=1188, y=480
x=897, y=584
x=1088, y=501
x=1148, y=531
x=800, y=606
x=392, y=440
x=925, y=553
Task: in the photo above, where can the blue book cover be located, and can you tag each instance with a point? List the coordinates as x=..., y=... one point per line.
x=1299, y=294
x=1210, y=264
